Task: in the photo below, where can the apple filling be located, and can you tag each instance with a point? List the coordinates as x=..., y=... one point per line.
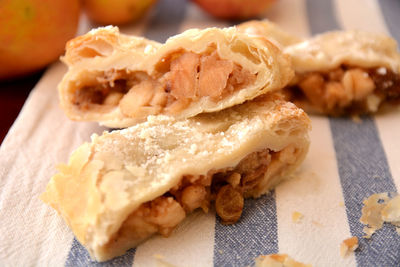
x=226, y=188
x=345, y=90
x=180, y=78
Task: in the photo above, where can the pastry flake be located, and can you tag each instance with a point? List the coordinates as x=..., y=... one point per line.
x=119, y=80
x=344, y=73
x=278, y=260
x=348, y=245
x=127, y=185
x=297, y=216
x=379, y=209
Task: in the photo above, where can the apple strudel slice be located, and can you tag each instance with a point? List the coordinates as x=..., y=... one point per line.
x=129, y=184
x=344, y=73
x=119, y=80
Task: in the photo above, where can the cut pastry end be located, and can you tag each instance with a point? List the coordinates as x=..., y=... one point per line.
x=345, y=73
x=346, y=90
x=119, y=80
x=127, y=185
x=184, y=77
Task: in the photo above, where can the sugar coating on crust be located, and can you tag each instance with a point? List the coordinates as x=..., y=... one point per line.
x=106, y=180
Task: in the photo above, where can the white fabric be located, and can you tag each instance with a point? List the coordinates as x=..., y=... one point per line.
x=317, y=181
x=31, y=233
x=367, y=18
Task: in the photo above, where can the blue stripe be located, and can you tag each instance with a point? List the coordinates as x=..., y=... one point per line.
x=321, y=16
x=78, y=256
x=166, y=20
x=256, y=233
x=391, y=13
x=364, y=170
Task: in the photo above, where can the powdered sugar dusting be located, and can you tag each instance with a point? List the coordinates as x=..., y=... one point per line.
x=159, y=151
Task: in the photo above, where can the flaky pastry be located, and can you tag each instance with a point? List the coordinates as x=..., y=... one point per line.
x=344, y=72
x=128, y=184
x=119, y=80
x=269, y=30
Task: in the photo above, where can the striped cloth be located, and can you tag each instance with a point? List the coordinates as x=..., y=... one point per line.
x=347, y=162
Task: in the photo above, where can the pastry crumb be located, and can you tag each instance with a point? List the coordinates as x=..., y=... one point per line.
x=220, y=251
x=391, y=211
x=282, y=260
x=160, y=261
x=158, y=256
x=297, y=216
x=317, y=223
x=341, y=204
x=356, y=118
x=378, y=209
x=348, y=245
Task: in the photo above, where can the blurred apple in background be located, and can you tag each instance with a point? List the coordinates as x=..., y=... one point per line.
x=33, y=33
x=235, y=9
x=116, y=12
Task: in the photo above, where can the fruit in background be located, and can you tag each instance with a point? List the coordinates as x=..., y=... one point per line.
x=116, y=12
x=235, y=9
x=33, y=33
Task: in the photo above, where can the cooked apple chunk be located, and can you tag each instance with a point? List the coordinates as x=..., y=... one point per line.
x=345, y=90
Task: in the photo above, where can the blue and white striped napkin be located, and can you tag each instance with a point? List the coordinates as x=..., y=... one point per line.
x=347, y=162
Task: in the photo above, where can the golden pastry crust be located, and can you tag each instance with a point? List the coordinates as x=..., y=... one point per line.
x=344, y=73
x=104, y=42
x=127, y=185
x=269, y=30
x=119, y=80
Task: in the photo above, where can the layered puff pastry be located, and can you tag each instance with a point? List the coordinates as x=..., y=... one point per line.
x=127, y=185
x=344, y=73
x=269, y=30
x=119, y=80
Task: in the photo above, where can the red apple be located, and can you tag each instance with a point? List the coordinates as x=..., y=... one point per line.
x=116, y=12
x=235, y=9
